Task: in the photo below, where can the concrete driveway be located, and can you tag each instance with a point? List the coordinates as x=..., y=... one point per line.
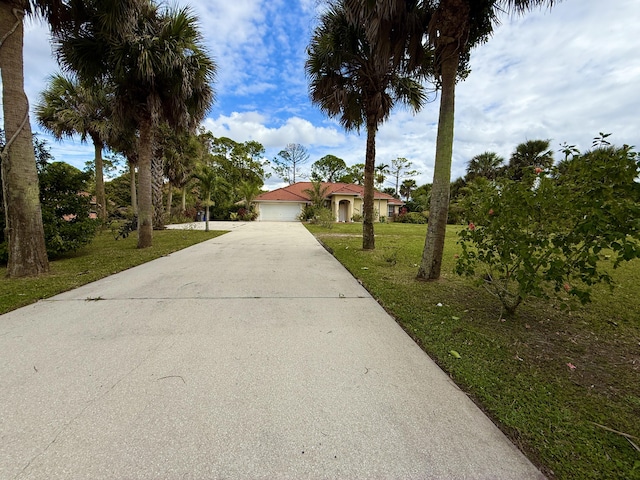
x=252, y=355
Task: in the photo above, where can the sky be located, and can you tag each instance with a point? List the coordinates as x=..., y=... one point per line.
x=563, y=74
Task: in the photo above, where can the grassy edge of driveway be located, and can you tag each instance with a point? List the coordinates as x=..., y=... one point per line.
x=103, y=257
x=563, y=385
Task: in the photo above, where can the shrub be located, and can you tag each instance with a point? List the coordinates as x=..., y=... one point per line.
x=411, y=217
x=66, y=208
x=549, y=232
x=357, y=218
x=322, y=216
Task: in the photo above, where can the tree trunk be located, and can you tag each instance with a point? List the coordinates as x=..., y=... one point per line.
x=157, y=179
x=206, y=213
x=439, y=207
x=24, y=230
x=184, y=199
x=145, y=205
x=169, y=200
x=368, y=236
x=134, y=190
x=101, y=198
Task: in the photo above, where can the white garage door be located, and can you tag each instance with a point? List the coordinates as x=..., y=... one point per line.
x=279, y=212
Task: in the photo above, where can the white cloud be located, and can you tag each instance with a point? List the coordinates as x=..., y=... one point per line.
x=254, y=126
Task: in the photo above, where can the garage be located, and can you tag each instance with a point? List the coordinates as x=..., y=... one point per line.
x=279, y=211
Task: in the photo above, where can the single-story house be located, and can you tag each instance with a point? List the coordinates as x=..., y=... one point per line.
x=344, y=199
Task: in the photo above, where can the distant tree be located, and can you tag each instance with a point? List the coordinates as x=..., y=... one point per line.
x=354, y=174
x=328, y=169
x=209, y=181
x=237, y=162
x=390, y=191
x=380, y=174
x=288, y=162
x=181, y=154
x=487, y=165
x=401, y=169
x=407, y=188
x=249, y=190
x=317, y=194
x=530, y=154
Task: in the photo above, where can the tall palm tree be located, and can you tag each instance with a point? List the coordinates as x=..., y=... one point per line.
x=25, y=232
x=487, y=165
x=67, y=107
x=351, y=78
x=453, y=28
x=161, y=72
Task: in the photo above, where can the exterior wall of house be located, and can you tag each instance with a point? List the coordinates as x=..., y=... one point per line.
x=356, y=206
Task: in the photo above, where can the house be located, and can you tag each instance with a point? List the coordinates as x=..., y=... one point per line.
x=344, y=199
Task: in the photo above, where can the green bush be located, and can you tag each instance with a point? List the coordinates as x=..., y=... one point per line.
x=411, y=217
x=356, y=217
x=322, y=216
x=552, y=231
x=66, y=208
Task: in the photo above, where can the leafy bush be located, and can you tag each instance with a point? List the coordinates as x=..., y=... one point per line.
x=66, y=208
x=356, y=217
x=318, y=216
x=551, y=231
x=411, y=217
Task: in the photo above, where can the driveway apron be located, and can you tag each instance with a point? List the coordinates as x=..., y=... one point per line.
x=251, y=355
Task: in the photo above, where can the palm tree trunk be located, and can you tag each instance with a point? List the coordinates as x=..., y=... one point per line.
x=145, y=205
x=24, y=230
x=169, y=200
x=134, y=190
x=184, y=199
x=101, y=198
x=206, y=210
x=439, y=207
x=157, y=179
x=368, y=236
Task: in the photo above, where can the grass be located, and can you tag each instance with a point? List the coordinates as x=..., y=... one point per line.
x=568, y=421
x=105, y=256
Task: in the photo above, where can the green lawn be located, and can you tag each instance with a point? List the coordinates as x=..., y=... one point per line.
x=103, y=257
x=517, y=370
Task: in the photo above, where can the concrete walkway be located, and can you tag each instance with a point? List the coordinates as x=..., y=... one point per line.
x=252, y=355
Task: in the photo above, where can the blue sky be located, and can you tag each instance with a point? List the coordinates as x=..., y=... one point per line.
x=564, y=74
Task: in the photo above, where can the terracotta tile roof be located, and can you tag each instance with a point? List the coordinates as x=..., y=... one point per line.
x=296, y=193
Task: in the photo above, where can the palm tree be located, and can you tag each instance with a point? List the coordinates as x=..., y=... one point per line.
x=317, y=193
x=180, y=156
x=407, y=187
x=210, y=182
x=66, y=108
x=530, y=154
x=453, y=28
x=381, y=172
x=487, y=165
x=160, y=70
x=249, y=190
x=25, y=232
x=351, y=78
